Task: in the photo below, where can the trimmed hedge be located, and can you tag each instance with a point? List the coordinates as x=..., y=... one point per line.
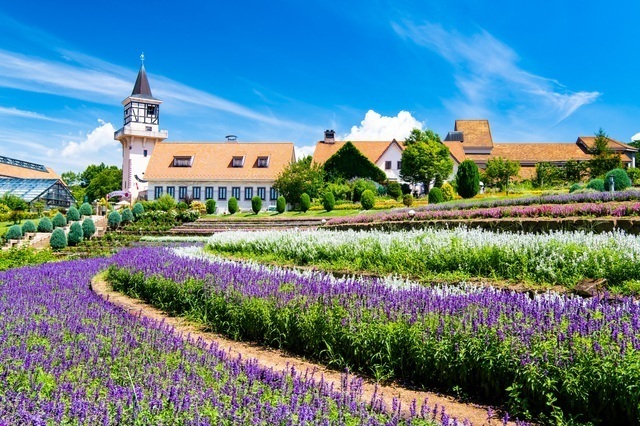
x=28, y=226
x=394, y=190
x=127, y=216
x=86, y=209
x=211, y=206
x=435, y=196
x=621, y=180
x=13, y=233
x=58, y=239
x=59, y=221
x=45, y=225
x=281, y=204
x=305, y=202
x=73, y=214
x=368, y=199
x=256, y=204
x=597, y=184
x=75, y=234
x=88, y=228
x=328, y=201
x=114, y=219
x=138, y=210
x=233, y=205
x=407, y=200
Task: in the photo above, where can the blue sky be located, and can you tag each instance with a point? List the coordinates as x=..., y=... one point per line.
x=287, y=70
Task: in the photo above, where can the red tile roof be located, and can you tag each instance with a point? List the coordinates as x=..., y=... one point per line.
x=373, y=150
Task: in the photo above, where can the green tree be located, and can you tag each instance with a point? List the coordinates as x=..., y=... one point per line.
x=127, y=216
x=328, y=201
x=425, y=158
x=394, y=190
x=281, y=204
x=303, y=176
x=114, y=219
x=348, y=162
x=71, y=178
x=232, y=205
x=211, y=206
x=368, y=199
x=88, y=228
x=305, y=202
x=73, y=214
x=574, y=171
x=58, y=239
x=256, y=204
x=500, y=171
x=104, y=182
x=547, y=174
x=468, y=178
x=604, y=159
x=86, y=209
x=75, y=234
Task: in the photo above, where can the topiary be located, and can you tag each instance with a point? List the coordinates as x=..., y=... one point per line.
x=597, y=184
x=620, y=180
x=211, y=206
x=59, y=221
x=448, y=193
x=138, y=210
x=468, y=178
x=407, y=200
x=58, y=239
x=127, y=216
x=28, y=226
x=45, y=225
x=328, y=201
x=88, y=228
x=305, y=202
x=75, y=234
x=256, y=204
x=281, y=204
x=86, y=209
x=368, y=199
x=13, y=233
x=73, y=214
x=575, y=187
x=114, y=219
x=394, y=190
x=233, y=205
x=435, y=196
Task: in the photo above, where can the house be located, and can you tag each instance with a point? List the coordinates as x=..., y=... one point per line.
x=33, y=182
x=387, y=155
x=472, y=140
x=152, y=167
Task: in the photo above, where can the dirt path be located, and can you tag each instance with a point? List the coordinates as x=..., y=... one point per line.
x=278, y=360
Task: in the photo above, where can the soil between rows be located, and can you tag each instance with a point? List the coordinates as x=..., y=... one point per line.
x=280, y=360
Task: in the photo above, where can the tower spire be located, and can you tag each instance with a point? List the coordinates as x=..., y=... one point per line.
x=142, y=89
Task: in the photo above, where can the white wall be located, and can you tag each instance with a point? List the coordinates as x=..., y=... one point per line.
x=393, y=154
x=222, y=206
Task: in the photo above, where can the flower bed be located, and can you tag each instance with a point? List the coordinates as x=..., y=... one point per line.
x=498, y=208
x=558, y=258
x=550, y=356
x=68, y=357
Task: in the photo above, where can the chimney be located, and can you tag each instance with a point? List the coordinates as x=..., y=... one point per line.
x=329, y=136
x=232, y=138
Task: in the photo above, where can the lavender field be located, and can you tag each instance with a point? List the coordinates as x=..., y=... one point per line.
x=552, y=358
x=68, y=357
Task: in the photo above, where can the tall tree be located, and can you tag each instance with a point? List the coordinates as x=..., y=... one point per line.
x=604, y=159
x=425, y=158
x=303, y=176
x=468, y=178
x=348, y=162
x=500, y=171
x=109, y=179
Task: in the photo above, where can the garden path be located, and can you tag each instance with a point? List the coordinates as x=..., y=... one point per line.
x=280, y=360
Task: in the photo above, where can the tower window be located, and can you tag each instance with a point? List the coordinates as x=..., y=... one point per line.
x=151, y=109
x=144, y=153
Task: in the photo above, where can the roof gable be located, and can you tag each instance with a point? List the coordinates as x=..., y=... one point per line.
x=373, y=150
x=476, y=133
x=589, y=142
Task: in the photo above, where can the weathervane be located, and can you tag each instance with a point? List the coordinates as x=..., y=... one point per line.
x=142, y=58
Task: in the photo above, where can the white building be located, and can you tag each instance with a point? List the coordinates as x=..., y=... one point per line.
x=152, y=167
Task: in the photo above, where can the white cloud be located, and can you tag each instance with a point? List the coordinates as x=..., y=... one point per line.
x=14, y=112
x=488, y=76
x=303, y=151
x=95, y=147
x=635, y=137
x=376, y=127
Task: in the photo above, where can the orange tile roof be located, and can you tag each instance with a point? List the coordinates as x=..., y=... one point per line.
x=475, y=132
x=25, y=173
x=540, y=152
x=456, y=149
x=212, y=160
x=373, y=150
x=617, y=146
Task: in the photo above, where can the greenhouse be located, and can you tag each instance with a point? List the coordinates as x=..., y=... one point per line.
x=50, y=191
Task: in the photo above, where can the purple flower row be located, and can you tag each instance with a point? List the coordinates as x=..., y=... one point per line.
x=402, y=214
x=530, y=211
x=68, y=357
x=576, y=352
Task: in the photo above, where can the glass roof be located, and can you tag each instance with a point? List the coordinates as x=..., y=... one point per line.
x=27, y=189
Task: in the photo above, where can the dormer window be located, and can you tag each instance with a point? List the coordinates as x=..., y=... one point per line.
x=182, y=161
x=237, y=161
x=263, y=161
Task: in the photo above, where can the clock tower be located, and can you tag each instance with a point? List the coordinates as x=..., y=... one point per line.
x=139, y=135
